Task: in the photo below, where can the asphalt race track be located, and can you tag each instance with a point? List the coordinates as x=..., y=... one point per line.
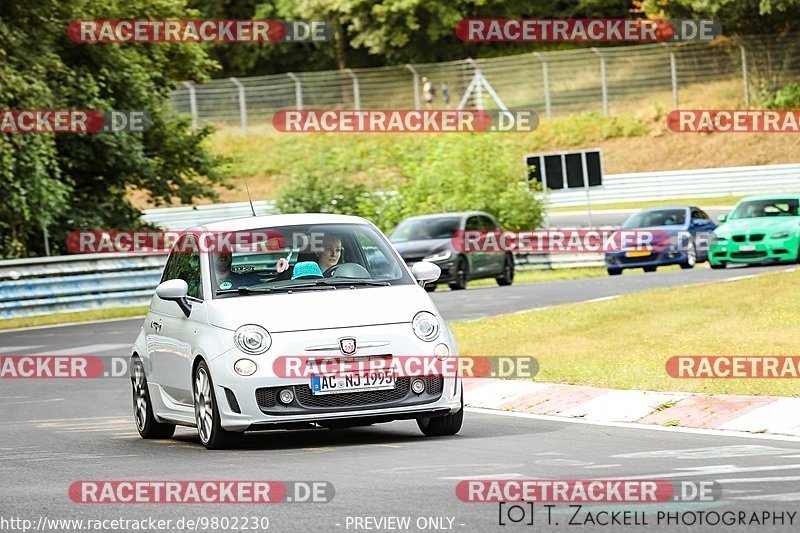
x=56, y=432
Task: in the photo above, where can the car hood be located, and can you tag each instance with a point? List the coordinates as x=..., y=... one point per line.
x=760, y=224
x=416, y=248
x=321, y=309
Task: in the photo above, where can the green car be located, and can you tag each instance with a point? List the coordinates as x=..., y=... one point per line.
x=761, y=229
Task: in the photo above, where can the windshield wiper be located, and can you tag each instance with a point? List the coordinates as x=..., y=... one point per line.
x=343, y=282
x=244, y=291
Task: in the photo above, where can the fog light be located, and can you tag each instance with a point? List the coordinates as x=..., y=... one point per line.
x=245, y=367
x=286, y=396
x=418, y=386
x=441, y=351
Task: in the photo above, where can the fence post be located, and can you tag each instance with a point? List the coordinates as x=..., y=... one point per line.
x=545, y=83
x=478, y=85
x=673, y=71
x=298, y=91
x=356, y=91
x=416, y=84
x=744, y=76
x=242, y=105
x=604, y=86
x=192, y=103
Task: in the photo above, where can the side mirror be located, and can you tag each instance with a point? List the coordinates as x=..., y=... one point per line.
x=175, y=290
x=722, y=218
x=425, y=271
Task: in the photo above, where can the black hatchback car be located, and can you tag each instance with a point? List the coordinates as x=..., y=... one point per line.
x=429, y=238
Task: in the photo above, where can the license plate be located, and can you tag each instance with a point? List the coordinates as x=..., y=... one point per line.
x=637, y=253
x=353, y=382
x=747, y=247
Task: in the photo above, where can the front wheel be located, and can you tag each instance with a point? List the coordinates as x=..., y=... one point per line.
x=430, y=287
x=691, y=257
x=717, y=266
x=650, y=269
x=507, y=276
x=146, y=423
x=461, y=275
x=614, y=271
x=441, y=426
x=206, y=414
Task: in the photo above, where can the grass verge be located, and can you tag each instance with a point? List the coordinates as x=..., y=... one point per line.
x=79, y=316
x=624, y=343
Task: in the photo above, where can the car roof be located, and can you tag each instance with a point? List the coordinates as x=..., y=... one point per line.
x=777, y=196
x=267, y=221
x=448, y=214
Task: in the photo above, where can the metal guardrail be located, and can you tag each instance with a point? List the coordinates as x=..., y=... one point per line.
x=707, y=182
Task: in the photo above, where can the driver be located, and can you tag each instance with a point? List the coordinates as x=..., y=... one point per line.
x=331, y=252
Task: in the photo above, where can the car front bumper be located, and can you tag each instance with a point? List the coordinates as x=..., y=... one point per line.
x=255, y=397
x=620, y=260
x=765, y=251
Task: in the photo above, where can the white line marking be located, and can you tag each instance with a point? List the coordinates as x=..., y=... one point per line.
x=509, y=475
x=26, y=402
x=791, y=497
x=601, y=466
x=714, y=471
x=760, y=479
x=68, y=324
x=89, y=349
x=12, y=349
x=628, y=425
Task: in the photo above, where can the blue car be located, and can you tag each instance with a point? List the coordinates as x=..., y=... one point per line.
x=686, y=227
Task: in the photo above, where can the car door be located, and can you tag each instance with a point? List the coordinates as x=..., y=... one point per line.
x=476, y=260
x=172, y=333
x=494, y=261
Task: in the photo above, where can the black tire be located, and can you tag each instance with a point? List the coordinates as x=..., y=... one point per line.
x=717, y=266
x=440, y=426
x=507, y=276
x=430, y=287
x=649, y=269
x=691, y=256
x=614, y=271
x=206, y=414
x=461, y=275
x=146, y=423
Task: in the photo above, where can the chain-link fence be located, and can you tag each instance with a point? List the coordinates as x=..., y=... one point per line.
x=607, y=80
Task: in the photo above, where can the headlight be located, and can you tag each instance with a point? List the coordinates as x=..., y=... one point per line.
x=781, y=235
x=252, y=339
x=425, y=326
x=439, y=256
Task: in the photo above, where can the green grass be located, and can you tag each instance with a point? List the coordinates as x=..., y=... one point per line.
x=65, y=318
x=699, y=202
x=624, y=343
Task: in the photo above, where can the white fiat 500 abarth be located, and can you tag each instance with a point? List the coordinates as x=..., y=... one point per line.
x=328, y=286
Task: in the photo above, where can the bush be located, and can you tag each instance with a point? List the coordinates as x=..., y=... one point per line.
x=308, y=193
x=787, y=97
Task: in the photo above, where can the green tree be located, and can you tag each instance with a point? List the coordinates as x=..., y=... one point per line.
x=65, y=182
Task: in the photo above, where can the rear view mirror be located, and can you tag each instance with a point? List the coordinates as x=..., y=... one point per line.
x=722, y=218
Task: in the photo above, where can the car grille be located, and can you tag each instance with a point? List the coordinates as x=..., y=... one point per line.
x=748, y=255
x=304, y=399
x=635, y=260
x=755, y=237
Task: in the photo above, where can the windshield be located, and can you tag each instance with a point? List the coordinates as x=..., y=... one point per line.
x=652, y=219
x=309, y=257
x=766, y=208
x=426, y=229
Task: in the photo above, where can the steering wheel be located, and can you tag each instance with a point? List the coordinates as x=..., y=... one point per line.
x=331, y=271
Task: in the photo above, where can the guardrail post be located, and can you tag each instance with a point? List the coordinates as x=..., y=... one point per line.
x=242, y=105
x=298, y=91
x=192, y=103
x=604, y=85
x=744, y=76
x=414, y=72
x=356, y=91
x=545, y=83
x=46, y=240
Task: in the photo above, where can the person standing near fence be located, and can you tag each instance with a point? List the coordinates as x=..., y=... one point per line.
x=427, y=92
x=446, y=95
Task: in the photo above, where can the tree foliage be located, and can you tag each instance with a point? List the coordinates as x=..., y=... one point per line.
x=64, y=182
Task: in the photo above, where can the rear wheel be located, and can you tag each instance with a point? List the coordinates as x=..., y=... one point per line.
x=507, y=277
x=461, y=275
x=650, y=269
x=691, y=256
x=614, y=271
x=146, y=423
x=441, y=426
x=206, y=413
